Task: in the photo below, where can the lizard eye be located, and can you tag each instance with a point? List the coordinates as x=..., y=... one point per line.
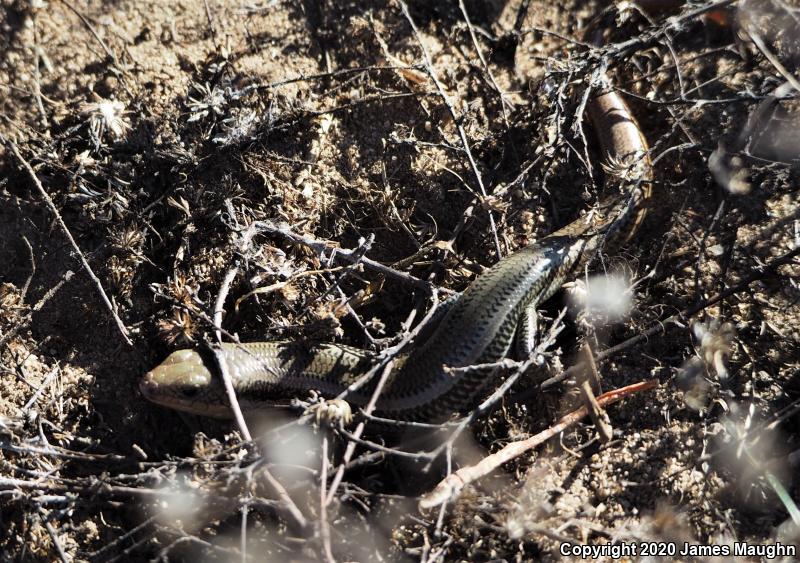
x=189, y=392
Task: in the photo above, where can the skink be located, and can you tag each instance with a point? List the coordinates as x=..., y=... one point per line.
x=495, y=311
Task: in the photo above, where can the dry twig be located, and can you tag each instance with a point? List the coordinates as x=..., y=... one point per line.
x=85, y=263
x=453, y=484
x=457, y=121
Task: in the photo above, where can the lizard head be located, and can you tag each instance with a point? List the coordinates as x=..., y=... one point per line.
x=184, y=382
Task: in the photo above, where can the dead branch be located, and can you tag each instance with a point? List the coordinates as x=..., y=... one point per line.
x=457, y=121
x=386, y=363
x=64, y=229
x=591, y=378
x=673, y=320
x=453, y=484
x=94, y=33
x=325, y=248
x=12, y=332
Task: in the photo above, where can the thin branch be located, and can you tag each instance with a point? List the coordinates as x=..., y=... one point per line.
x=489, y=404
x=67, y=276
x=324, y=526
x=327, y=75
x=37, y=78
x=386, y=362
x=219, y=309
x=346, y=255
x=782, y=70
x=599, y=416
x=114, y=543
x=285, y=503
x=210, y=20
x=623, y=49
x=449, y=488
x=94, y=33
x=457, y=120
x=662, y=326
x=351, y=446
x=62, y=555
x=52, y=206
x=26, y=286
x=503, y=100
x=230, y=391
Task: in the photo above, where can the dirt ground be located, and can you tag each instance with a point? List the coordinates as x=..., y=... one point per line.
x=140, y=138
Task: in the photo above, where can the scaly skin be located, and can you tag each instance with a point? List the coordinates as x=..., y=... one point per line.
x=479, y=328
